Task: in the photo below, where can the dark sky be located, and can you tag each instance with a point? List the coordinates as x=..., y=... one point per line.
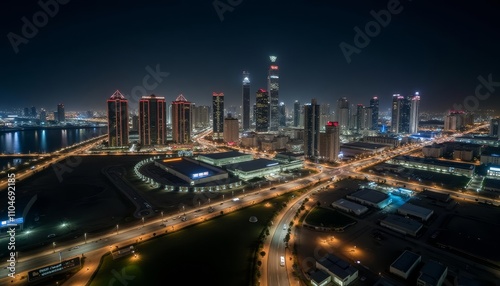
x=88, y=49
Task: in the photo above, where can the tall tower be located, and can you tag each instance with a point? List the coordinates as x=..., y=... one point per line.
x=181, y=120
x=117, y=120
x=296, y=113
x=360, y=117
x=218, y=115
x=262, y=111
x=231, y=130
x=152, y=120
x=374, y=106
x=282, y=113
x=343, y=114
x=396, y=110
x=330, y=142
x=246, y=101
x=61, y=116
x=311, y=128
x=273, y=88
x=414, y=113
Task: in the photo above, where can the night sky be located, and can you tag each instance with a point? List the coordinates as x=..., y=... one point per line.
x=91, y=48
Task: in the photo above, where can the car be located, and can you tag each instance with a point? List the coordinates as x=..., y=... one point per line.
x=273, y=188
x=51, y=235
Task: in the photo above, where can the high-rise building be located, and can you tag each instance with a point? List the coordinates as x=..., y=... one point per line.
x=231, y=130
x=296, y=113
x=374, y=107
x=325, y=115
x=414, y=113
x=61, y=116
x=397, y=104
x=218, y=115
x=360, y=117
x=273, y=88
x=329, y=146
x=343, y=114
x=245, y=114
x=262, y=111
x=181, y=120
x=43, y=116
x=33, y=112
x=454, y=121
x=152, y=120
x=201, y=116
x=117, y=120
x=26, y=112
x=311, y=129
x=282, y=112
x=494, y=130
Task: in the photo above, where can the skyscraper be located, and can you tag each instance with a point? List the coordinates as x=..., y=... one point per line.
x=343, y=114
x=360, y=117
x=374, y=106
x=61, y=116
x=273, y=87
x=282, y=113
x=218, y=115
x=329, y=146
x=231, y=130
x=117, y=120
x=414, y=113
x=152, y=120
x=397, y=104
x=33, y=112
x=181, y=120
x=311, y=129
x=296, y=113
x=201, y=116
x=245, y=116
x=262, y=111
x=43, y=116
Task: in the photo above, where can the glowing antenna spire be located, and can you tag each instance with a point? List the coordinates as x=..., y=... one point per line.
x=273, y=58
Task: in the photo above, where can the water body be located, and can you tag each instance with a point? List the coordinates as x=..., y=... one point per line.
x=42, y=141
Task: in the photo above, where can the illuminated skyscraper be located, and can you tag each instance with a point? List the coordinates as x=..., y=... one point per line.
x=201, y=115
x=282, y=113
x=414, y=112
x=218, y=115
x=374, y=106
x=152, y=120
x=296, y=113
x=245, y=116
x=360, y=117
x=181, y=120
x=329, y=147
x=117, y=120
x=396, y=109
x=262, y=111
x=343, y=114
x=273, y=88
x=61, y=116
x=231, y=130
x=311, y=129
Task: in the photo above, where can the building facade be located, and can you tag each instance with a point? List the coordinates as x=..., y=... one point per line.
x=245, y=114
x=152, y=120
x=181, y=120
x=311, y=129
x=273, y=88
x=117, y=120
x=218, y=115
x=262, y=111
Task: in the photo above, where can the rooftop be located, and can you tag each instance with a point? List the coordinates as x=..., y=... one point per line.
x=253, y=165
x=363, y=145
x=337, y=266
x=189, y=167
x=431, y=272
x=405, y=261
x=435, y=162
x=224, y=155
x=370, y=195
x=404, y=223
x=416, y=209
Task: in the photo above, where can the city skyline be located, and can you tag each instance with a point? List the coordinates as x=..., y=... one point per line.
x=186, y=49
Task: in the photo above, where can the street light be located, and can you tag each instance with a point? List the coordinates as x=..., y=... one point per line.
x=117, y=229
x=161, y=216
x=142, y=221
x=54, y=246
x=85, y=236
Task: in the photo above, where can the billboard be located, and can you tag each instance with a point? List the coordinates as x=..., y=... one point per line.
x=54, y=269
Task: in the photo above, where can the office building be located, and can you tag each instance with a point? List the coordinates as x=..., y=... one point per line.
x=343, y=114
x=201, y=116
x=262, y=111
x=61, y=116
x=494, y=131
x=218, y=115
x=360, y=117
x=273, y=88
x=432, y=274
x=374, y=109
x=329, y=146
x=43, y=116
x=181, y=120
x=33, y=112
x=231, y=130
x=245, y=114
x=117, y=120
x=296, y=113
x=282, y=114
x=405, y=113
x=311, y=129
x=152, y=120
x=414, y=113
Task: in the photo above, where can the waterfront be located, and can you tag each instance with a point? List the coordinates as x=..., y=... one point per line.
x=42, y=141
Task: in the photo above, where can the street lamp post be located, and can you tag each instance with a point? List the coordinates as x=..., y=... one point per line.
x=54, y=246
x=161, y=216
x=142, y=221
x=85, y=237
x=117, y=229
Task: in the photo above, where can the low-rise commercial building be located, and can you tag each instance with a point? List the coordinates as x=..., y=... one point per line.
x=434, y=165
x=225, y=158
x=416, y=211
x=349, y=207
x=370, y=197
x=401, y=224
x=261, y=167
x=341, y=272
x=405, y=263
x=432, y=274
